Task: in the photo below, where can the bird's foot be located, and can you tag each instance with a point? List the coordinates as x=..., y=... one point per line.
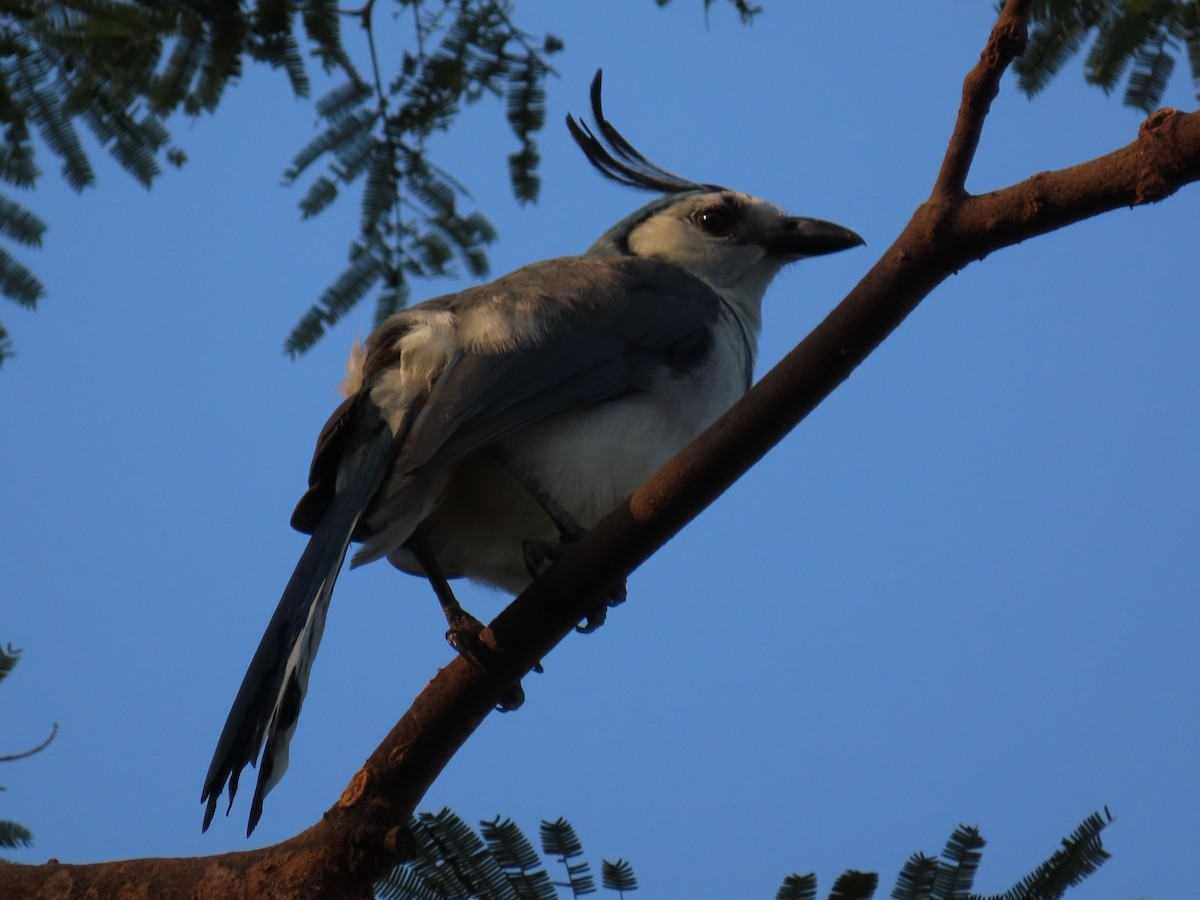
x=464, y=636
x=541, y=555
x=512, y=699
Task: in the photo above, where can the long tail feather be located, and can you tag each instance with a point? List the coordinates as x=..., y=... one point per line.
x=268, y=703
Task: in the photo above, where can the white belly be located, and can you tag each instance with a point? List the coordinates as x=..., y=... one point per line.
x=590, y=461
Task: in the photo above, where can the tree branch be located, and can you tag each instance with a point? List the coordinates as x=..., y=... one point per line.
x=365, y=833
x=9, y=757
x=982, y=84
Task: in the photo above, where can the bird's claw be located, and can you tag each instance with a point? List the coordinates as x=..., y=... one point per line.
x=597, y=616
x=540, y=556
x=512, y=699
x=463, y=635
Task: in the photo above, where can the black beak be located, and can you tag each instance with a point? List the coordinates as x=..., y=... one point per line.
x=799, y=237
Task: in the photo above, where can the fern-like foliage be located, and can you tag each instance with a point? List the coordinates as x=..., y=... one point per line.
x=518, y=859
x=798, y=887
x=960, y=861
x=13, y=834
x=9, y=657
x=1137, y=42
x=917, y=878
x=452, y=862
x=560, y=841
x=855, y=885
x=119, y=68
x=618, y=876
x=1081, y=854
x=375, y=132
x=746, y=11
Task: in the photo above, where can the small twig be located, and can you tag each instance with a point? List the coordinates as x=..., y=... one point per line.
x=394, y=276
x=38, y=749
x=363, y=12
x=980, y=87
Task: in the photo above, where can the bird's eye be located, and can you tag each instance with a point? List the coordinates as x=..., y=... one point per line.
x=717, y=221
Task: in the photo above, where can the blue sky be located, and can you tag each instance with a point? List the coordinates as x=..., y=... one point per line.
x=964, y=590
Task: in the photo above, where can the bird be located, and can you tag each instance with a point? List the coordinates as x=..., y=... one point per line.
x=482, y=430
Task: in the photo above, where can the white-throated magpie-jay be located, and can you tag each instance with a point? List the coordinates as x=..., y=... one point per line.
x=518, y=413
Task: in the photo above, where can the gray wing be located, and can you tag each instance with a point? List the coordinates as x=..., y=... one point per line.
x=549, y=338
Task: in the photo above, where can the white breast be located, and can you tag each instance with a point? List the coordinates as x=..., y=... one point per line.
x=590, y=461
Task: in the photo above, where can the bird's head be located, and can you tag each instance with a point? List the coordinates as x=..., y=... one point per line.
x=732, y=241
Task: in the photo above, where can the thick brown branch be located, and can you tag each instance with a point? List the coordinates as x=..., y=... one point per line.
x=980, y=87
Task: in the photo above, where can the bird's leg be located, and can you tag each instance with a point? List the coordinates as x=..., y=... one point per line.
x=540, y=555
x=464, y=628
x=569, y=529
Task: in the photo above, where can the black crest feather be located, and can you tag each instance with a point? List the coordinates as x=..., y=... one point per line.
x=620, y=161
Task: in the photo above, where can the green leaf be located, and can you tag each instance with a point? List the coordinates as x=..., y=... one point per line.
x=916, y=879
x=960, y=861
x=559, y=839
x=19, y=224
x=1137, y=38
x=320, y=194
x=170, y=87
x=60, y=136
x=1148, y=81
x=525, y=106
x=1081, y=855
x=379, y=193
x=322, y=25
x=8, y=660
x=393, y=297
x=403, y=883
x=509, y=845
x=338, y=299
x=798, y=887
x=220, y=60
x=13, y=835
x=453, y=858
x=855, y=885
x=17, y=166
x=338, y=135
x=516, y=856
x=1192, y=39
x=18, y=283
x=343, y=100
x=1051, y=44
x=526, y=186
x=617, y=876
